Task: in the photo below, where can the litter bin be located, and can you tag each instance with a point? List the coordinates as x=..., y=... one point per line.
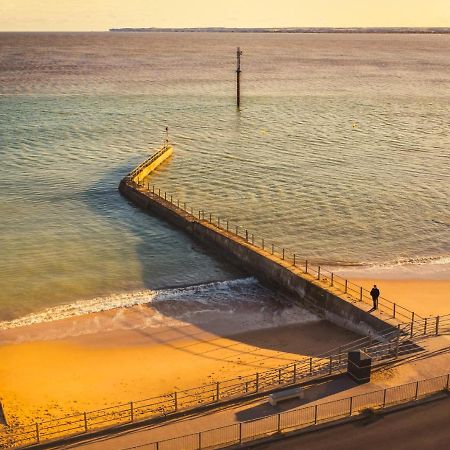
x=359, y=366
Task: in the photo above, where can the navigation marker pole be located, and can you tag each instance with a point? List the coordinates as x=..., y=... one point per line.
x=238, y=77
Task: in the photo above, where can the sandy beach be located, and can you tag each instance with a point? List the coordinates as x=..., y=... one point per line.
x=425, y=297
x=49, y=377
x=99, y=360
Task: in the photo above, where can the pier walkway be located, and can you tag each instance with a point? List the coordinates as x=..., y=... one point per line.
x=333, y=297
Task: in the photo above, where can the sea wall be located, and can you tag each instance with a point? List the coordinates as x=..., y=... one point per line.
x=266, y=267
x=149, y=165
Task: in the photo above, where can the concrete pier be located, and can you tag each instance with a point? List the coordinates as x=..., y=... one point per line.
x=267, y=267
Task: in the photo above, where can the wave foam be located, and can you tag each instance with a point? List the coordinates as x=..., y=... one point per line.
x=207, y=294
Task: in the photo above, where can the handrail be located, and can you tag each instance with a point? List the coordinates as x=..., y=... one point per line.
x=316, y=272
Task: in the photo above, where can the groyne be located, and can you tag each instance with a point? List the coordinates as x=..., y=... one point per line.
x=303, y=286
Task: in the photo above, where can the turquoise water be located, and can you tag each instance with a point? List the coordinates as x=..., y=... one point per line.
x=340, y=152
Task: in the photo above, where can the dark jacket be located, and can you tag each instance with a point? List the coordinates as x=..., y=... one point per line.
x=375, y=293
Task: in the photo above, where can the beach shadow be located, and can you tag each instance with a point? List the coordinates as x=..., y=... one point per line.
x=163, y=252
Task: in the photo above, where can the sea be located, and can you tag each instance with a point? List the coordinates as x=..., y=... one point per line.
x=340, y=152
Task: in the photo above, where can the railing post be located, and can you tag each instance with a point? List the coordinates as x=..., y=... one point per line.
x=345, y=287
x=279, y=376
x=165, y=195
x=228, y=225
x=218, y=222
x=394, y=307
x=262, y=242
x=257, y=382
x=240, y=432
x=171, y=199
x=217, y=391
x=178, y=202
x=332, y=278
x=310, y=365
x=85, y=422
x=210, y=217
x=331, y=364
x=175, y=400
x=397, y=345
x=203, y=214
x=417, y=389
x=199, y=215
x=425, y=327
x=318, y=272
x=131, y=412
x=279, y=423
x=38, y=438
x=306, y=266
x=360, y=294
x=384, y=398
x=273, y=249
x=351, y=406
x=294, y=259
x=315, y=415
x=295, y=372
x=283, y=253
x=237, y=227
x=159, y=192
x=448, y=381
x=412, y=327
x=437, y=325
x=153, y=189
x=200, y=440
x=246, y=235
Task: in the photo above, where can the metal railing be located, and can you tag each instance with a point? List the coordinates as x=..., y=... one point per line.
x=305, y=417
x=387, y=346
x=315, y=273
x=148, y=161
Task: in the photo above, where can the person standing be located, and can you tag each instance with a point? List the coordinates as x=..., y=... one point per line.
x=375, y=293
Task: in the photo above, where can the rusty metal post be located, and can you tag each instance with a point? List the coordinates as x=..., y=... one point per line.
x=238, y=77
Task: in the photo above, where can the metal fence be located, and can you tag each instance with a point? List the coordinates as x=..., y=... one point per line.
x=299, y=418
x=389, y=345
x=313, y=272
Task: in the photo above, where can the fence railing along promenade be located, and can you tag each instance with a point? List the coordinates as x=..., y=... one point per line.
x=315, y=272
x=306, y=417
x=387, y=346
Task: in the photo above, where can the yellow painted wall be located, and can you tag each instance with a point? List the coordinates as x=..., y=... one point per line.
x=151, y=167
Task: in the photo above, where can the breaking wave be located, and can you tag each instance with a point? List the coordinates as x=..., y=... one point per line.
x=191, y=303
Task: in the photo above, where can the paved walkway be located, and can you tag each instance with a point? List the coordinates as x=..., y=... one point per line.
x=422, y=427
x=436, y=362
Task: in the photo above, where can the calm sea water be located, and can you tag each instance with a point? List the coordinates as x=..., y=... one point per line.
x=340, y=152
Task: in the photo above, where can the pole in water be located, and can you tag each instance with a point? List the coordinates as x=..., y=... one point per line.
x=238, y=77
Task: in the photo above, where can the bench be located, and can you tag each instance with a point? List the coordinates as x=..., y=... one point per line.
x=296, y=392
